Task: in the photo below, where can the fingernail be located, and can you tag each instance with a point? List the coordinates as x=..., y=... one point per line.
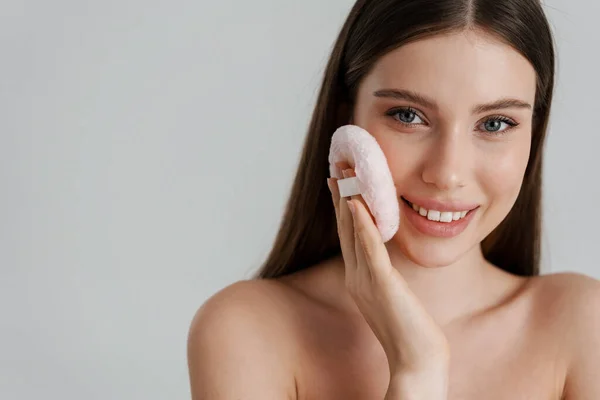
x=350, y=206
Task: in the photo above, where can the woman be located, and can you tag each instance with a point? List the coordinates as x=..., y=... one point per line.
x=457, y=93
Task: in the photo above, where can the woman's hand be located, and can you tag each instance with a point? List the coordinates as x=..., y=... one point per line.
x=413, y=342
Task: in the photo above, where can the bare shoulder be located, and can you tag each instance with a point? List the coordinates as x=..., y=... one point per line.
x=570, y=298
x=575, y=301
x=573, y=291
x=241, y=343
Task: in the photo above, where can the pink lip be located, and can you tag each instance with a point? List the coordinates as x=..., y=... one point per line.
x=432, y=204
x=435, y=228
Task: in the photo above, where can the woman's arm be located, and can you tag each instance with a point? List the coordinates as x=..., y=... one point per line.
x=237, y=349
x=416, y=348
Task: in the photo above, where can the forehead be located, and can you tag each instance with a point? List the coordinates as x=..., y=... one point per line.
x=457, y=69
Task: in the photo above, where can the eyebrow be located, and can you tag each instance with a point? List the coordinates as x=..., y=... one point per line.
x=429, y=103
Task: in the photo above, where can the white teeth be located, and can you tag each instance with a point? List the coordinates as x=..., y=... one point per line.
x=441, y=216
x=446, y=217
x=433, y=215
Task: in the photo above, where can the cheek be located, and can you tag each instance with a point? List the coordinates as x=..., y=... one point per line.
x=501, y=174
x=400, y=155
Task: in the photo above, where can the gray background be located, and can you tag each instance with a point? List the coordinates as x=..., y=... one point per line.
x=147, y=150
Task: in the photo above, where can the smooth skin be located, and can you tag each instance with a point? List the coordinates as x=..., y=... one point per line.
x=324, y=333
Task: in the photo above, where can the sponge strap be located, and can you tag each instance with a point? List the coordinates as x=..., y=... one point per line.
x=348, y=186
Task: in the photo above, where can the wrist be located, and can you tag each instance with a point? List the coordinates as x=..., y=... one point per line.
x=438, y=365
x=434, y=358
x=422, y=384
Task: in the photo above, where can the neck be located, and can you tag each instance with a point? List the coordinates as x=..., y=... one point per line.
x=456, y=292
x=453, y=292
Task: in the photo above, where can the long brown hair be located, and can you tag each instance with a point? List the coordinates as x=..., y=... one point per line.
x=308, y=232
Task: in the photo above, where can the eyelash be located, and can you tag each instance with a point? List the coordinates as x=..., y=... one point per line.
x=511, y=123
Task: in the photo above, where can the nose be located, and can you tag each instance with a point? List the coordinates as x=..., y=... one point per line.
x=446, y=164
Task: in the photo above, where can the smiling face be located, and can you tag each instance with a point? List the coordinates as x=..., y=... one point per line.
x=429, y=105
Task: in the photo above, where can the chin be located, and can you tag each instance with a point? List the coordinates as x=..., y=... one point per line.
x=433, y=253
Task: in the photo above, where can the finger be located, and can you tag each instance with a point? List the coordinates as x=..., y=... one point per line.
x=361, y=263
x=346, y=232
x=343, y=165
x=333, y=185
x=375, y=252
x=335, y=195
x=357, y=197
x=350, y=173
x=345, y=224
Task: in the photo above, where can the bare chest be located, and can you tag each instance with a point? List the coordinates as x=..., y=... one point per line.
x=496, y=359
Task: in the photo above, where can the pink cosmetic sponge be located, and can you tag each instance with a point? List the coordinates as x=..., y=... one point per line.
x=357, y=147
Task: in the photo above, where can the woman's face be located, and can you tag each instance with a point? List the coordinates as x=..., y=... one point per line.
x=453, y=116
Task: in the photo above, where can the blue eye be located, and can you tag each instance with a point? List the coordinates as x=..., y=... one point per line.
x=496, y=123
x=407, y=115
x=492, y=125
